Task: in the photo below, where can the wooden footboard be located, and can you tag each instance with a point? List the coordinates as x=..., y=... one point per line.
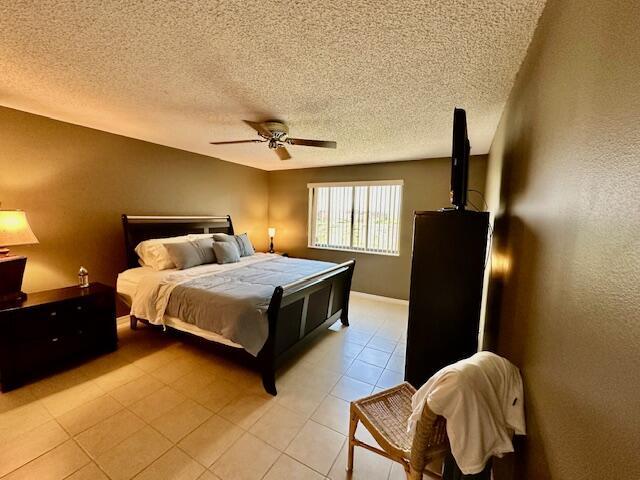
x=297, y=312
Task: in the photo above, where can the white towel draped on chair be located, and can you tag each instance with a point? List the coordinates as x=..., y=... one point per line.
x=482, y=399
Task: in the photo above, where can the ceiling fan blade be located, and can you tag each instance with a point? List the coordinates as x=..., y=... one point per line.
x=258, y=127
x=237, y=141
x=282, y=153
x=312, y=143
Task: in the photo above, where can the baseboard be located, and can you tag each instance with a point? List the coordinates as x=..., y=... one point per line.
x=122, y=320
x=379, y=298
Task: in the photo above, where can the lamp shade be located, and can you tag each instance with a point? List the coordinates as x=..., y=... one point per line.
x=272, y=232
x=15, y=229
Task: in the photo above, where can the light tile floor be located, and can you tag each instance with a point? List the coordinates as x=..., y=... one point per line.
x=163, y=407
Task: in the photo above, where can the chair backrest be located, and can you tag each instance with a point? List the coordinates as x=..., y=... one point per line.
x=429, y=441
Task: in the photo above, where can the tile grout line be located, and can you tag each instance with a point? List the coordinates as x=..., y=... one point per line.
x=42, y=454
x=228, y=447
x=91, y=460
x=337, y=456
x=334, y=460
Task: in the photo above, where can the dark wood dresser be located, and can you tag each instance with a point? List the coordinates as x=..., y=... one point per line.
x=447, y=271
x=53, y=328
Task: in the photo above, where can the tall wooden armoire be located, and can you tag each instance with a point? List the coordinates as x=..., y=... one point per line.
x=447, y=268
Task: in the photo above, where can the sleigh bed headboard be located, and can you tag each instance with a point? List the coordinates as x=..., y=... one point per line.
x=138, y=228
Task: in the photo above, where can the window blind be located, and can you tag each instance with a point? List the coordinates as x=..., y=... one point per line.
x=358, y=216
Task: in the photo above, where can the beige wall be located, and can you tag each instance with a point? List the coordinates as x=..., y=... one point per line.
x=426, y=187
x=75, y=182
x=564, y=179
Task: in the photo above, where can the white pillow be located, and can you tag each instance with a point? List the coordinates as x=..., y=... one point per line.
x=153, y=254
x=198, y=236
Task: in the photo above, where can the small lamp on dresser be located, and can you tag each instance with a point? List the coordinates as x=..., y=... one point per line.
x=272, y=233
x=14, y=230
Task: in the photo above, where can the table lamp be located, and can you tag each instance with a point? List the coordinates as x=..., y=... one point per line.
x=272, y=233
x=14, y=230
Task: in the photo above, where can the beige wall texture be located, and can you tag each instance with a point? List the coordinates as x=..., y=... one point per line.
x=426, y=187
x=75, y=182
x=564, y=182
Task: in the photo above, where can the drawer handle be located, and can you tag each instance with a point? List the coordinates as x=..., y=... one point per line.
x=55, y=339
x=53, y=314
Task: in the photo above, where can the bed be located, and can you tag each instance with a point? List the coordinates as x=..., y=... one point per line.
x=264, y=308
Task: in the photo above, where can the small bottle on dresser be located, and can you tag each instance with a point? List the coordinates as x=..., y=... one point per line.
x=83, y=277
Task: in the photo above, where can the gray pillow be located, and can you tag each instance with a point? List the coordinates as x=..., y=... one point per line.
x=204, y=246
x=226, y=252
x=191, y=253
x=241, y=241
x=222, y=237
x=247, y=249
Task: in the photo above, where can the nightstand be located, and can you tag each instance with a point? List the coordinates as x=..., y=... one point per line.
x=53, y=328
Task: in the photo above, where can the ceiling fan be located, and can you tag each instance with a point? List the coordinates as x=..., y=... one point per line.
x=276, y=135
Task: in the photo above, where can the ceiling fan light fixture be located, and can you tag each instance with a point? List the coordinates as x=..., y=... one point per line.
x=276, y=133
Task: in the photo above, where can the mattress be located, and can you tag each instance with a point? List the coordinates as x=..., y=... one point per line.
x=126, y=286
x=128, y=281
x=224, y=303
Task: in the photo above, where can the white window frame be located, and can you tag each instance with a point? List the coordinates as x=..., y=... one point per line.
x=311, y=210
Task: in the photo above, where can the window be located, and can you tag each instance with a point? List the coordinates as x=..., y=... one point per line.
x=356, y=216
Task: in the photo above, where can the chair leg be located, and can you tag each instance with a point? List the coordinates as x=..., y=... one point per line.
x=353, y=425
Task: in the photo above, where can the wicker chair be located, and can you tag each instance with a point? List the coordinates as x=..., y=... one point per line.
x=385, y=415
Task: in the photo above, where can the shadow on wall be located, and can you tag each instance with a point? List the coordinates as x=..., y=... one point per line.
x=504, y=247
x=510, y=306
x=505, y=154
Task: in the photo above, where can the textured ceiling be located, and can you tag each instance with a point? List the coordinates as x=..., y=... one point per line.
x=380, y=78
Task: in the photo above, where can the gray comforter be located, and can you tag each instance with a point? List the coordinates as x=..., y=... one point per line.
x=234, y=303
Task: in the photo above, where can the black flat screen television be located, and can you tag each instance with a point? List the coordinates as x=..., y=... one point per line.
x=459, y=160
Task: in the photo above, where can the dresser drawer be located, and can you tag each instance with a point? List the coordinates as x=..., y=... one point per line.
x=55, y=320
x=45, y=323
x=53, y=329
x=40, y=354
